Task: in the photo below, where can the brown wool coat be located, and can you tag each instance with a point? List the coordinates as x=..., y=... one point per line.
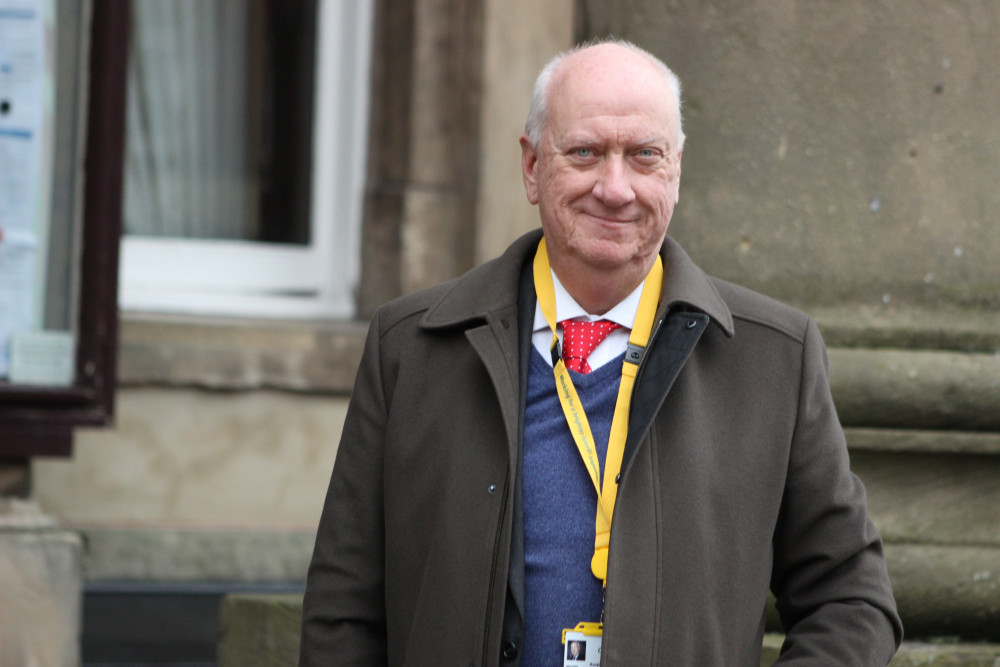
x=735, y=481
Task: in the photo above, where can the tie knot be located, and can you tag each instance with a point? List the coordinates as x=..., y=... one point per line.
x=580, y=338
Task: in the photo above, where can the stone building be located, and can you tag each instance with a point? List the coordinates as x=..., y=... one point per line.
x=840, y=156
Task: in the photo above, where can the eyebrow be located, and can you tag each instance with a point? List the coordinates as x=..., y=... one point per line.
x=580, y=140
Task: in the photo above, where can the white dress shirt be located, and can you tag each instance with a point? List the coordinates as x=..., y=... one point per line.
x=568, y=309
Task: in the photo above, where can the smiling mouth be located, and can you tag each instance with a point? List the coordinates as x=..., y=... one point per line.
x=611, y=221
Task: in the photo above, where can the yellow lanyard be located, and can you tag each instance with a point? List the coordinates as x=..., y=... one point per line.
x=573, y=410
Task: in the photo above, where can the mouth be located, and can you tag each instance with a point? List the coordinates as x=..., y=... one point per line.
x=611, y=220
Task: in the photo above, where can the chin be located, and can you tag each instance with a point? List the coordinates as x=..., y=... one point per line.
x=607, y=255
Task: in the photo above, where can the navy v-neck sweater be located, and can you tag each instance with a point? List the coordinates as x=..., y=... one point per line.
x=559, y=507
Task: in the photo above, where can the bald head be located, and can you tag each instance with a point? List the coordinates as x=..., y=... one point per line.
x=609, y=51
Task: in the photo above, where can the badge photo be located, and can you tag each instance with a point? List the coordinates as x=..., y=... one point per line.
x=582, y=645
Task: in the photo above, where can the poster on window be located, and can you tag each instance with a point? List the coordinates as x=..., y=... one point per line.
x=24, y=81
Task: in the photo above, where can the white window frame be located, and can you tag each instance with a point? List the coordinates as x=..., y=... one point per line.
x=259, y=279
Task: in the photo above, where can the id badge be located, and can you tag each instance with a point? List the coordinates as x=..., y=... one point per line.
x=582, y=645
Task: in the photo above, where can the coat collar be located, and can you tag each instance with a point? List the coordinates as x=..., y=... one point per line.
x=684, y=284
x=493, y=286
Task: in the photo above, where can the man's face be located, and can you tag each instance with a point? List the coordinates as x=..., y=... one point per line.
x=605, y=174
x=574, y=648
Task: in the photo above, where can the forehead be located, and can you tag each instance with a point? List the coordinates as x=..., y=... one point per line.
x=614, y=88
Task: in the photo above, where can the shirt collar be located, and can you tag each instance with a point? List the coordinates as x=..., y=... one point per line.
x=568, y=309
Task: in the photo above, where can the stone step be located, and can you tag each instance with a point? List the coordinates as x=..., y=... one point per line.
x=928, y=390
x=263, y=630
x=259, y=630
x=941, y=589
x=947, y=590
x=910, y=441
x=912, y=654
x=932, y=498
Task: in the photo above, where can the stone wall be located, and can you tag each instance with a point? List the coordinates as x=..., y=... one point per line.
x=842, y=156
x=838, y=153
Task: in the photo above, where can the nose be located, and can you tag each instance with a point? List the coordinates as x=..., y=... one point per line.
x=613, y=187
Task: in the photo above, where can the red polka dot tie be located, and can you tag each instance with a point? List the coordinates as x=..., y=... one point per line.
x=579, y=340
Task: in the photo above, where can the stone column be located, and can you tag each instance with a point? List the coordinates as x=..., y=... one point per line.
x=41, y=588
x=842, y=156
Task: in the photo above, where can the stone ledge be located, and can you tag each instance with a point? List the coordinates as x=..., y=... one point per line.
x=951, y=591
x=912, y=654
x=922, y=442
x=932, y=498
x=878, y=387
x=916, y=389
x=909, y=328
x=236, y=354
x=261, y=630
x=191, y=555
x=17, y=513
x=941, y=590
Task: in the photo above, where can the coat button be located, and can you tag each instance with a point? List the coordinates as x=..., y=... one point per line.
x=691, y=324
x=491, y=489
x=509, y=650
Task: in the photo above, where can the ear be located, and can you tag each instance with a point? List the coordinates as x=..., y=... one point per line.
x=677, y=186
x=529, y=162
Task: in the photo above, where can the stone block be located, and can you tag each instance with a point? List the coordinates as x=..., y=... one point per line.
x=41, y=585
x=914, y=654
x=179, y=555
x=933, y=498
x=916, y=389
x=947, y=591
x=941, y=591
x=259, y=630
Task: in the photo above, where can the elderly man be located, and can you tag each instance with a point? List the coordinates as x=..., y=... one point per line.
x=589, y=435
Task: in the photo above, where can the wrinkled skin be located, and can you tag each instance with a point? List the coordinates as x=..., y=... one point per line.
x=605, y=173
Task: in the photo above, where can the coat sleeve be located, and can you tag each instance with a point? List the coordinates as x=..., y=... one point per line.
x=829, y=578
x=343, y=614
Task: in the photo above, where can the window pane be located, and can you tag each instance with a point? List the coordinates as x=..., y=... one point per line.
x=40, y=153
x=219, y=120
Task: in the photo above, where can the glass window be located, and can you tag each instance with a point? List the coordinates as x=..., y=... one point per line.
x=244, y=156
x=41, y=45
x=62, y=118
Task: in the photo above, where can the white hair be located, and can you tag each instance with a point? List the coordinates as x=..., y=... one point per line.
x=539, y=108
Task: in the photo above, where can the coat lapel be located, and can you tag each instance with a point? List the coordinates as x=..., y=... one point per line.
x=686, y=285
x=496, y=344
x=484, y=302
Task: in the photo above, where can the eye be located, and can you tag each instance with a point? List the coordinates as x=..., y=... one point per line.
x=583, y=151
x=647, y=153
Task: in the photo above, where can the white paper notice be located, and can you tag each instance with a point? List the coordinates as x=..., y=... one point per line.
x=22, y=111
x=18, y=252
x=42, y=357
x=22, y=117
